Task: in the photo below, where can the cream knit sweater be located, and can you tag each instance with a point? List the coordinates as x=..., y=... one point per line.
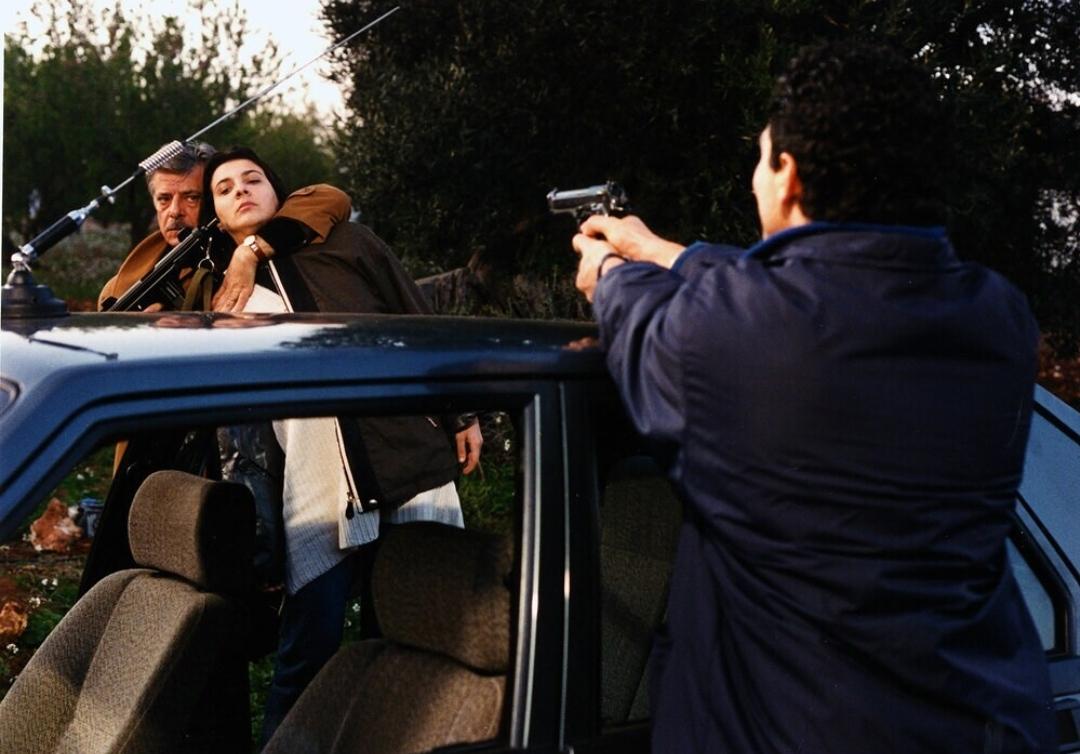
x=318, y=535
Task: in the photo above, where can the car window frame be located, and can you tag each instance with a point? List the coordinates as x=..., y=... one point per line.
x=532, y=710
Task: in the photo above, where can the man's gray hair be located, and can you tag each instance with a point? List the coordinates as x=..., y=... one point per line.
x=194, y=153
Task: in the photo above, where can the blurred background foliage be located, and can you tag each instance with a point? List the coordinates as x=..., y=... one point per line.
x=461, y=116
x=100, y=93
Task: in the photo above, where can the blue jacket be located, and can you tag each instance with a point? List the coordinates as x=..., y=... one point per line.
x=844, y=410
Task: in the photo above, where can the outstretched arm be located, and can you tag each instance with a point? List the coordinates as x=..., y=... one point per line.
x=631, y=238
x=306, y=216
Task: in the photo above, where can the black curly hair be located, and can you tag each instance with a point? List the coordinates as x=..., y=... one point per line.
x=868, y=131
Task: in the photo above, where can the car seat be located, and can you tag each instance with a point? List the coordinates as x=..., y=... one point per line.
x=438, y=675
x=639, y=523
x=150, y=659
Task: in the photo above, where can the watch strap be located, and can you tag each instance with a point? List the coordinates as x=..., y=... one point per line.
x=252, y=242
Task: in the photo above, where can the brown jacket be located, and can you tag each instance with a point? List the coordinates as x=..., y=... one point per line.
x=318, y=207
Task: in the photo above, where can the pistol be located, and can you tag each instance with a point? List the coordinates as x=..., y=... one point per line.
x=606, y=199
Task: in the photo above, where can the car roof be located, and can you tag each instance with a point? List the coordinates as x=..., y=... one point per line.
x=32, y=349
x=64, y=377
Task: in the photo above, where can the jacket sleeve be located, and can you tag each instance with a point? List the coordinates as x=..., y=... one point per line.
x=107, y=292
x=139, y=262
x=700, y=257
x=306, y=216
x=636, y=307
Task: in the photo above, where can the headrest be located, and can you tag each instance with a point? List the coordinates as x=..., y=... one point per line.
x=198, y=529
x=444, y=589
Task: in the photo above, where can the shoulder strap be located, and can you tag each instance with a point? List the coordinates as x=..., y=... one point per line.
x=199, y=291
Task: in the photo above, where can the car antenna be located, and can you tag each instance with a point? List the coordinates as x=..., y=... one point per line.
x=23, y=297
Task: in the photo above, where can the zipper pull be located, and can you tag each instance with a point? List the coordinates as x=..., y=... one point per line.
x=350, y=505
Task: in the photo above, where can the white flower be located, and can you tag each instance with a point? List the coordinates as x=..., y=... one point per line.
x=12, y=648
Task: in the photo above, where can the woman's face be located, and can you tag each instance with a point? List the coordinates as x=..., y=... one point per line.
x=243, y=197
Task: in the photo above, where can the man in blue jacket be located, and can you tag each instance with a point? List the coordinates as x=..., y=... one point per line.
x=846, y=406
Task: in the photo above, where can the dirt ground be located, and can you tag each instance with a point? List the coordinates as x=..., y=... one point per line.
x=44, y=585
x=20, y=559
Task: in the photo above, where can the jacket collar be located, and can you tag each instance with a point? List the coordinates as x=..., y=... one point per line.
x=860, y=244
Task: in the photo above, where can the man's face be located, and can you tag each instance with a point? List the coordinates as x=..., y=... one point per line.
x=177, y=198
x=243, y=197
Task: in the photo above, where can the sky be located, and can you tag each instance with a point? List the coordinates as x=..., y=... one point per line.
x=293, y=24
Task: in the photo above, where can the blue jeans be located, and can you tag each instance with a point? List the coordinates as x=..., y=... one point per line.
x=312, y=625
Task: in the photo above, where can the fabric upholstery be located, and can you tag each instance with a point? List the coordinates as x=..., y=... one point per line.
x=640, y=517
x=185, y=525
x=444, y=607
x=445, y=593
x=145, y=661
x=377, y=698
x=41, y=703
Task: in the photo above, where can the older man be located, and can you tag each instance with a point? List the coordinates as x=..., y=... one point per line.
x=307, y=215
x=176, y=189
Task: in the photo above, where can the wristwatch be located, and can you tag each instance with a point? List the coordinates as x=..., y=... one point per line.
x=252, y=242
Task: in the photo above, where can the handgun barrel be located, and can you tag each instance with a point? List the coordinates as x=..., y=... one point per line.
x=567, y=201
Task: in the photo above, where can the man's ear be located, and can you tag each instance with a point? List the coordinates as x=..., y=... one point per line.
x=790, y=189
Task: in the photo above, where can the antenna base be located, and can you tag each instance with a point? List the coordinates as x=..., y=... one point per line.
x=23, y=298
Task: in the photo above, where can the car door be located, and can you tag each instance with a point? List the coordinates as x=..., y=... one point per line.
x=1045, y=551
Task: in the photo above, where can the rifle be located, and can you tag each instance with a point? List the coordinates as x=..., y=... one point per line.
x=163, y=283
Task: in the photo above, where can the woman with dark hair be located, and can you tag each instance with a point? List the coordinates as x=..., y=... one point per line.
x=175, y=187
x=345, y=476
x=275, y=233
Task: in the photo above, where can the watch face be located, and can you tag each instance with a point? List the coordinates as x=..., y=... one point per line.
x=253, y=244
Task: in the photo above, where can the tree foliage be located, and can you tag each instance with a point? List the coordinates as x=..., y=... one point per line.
x=463, y=115
x=98, y=94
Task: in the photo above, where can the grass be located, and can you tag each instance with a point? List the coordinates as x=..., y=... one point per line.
x=260, y=672
x=48, y=593
x=486, y=496
x=47, y=584
x=91, y=478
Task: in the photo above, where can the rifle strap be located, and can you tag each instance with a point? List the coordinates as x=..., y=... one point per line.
x=199, y=291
